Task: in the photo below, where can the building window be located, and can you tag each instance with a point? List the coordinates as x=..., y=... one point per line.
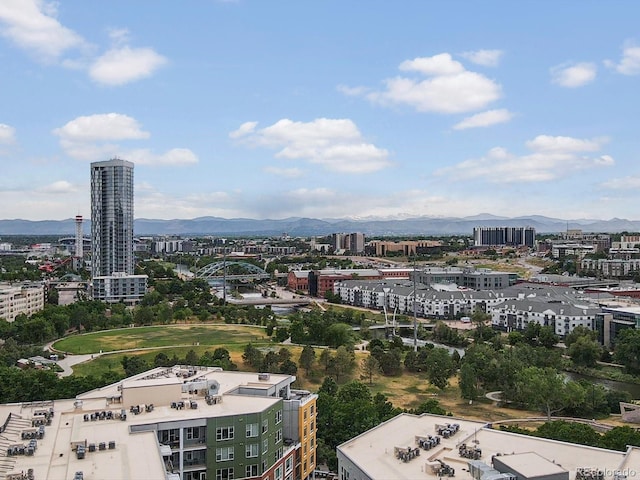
x=251, y=450
x=288, y=464
x=265, y=425
x=224, y=433
x=224, y=473
x=265, y=445
x=279, y=435
x=252, y=430
x=224, y=454
x=278, y=473
x=264, y=466
x=251, y=471
x=278, y=416
x=278, y=454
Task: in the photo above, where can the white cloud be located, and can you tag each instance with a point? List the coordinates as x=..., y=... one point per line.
x=7, y=134
x=575, y=75
x=550, y=158
x=336, y=144
x=631, y=182
x=486, y=58
x=122, y=65
x=629, y=64
x=119, y=36
x=284, y=172
x=59, y=187
x=245, y=129
x=352, y=91
x=450, y=88
x=548, y=143
x=101, y=127
x=484, y=119
x=175, y=156
x=31, y=24
x=95, y=137
x=441, y=64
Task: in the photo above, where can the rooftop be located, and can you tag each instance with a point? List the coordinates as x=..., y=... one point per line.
x=375, y=451
x=114, y=423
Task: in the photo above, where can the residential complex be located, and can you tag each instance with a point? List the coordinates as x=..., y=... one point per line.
x=504, y=236
x=112, y=246
x=411, y=447
x=20, y=299
x=175, y=423
x=510, y=309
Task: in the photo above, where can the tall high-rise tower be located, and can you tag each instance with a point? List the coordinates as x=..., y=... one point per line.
x=112, y=218
x=79, y=242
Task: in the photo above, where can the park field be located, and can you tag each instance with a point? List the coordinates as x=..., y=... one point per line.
x=405, y=391
x=207, y=336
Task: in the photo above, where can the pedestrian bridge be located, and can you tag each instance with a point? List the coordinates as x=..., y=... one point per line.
x=232, y=270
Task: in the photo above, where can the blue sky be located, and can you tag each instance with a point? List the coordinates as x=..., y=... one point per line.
x=326, y=109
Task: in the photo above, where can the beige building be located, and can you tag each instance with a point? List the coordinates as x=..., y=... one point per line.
x=26, y=298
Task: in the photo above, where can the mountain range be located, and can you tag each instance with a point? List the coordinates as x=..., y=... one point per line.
x=296, y=226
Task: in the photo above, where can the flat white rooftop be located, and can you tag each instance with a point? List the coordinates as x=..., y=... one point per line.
x=374, y=451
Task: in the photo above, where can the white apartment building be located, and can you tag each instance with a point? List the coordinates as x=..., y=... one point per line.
x=26, y=298
x=515, y=315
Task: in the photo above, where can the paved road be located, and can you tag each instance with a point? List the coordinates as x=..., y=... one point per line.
x=71, y=360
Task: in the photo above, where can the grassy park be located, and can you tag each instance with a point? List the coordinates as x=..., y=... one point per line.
x=207, y=336
x=405, y=391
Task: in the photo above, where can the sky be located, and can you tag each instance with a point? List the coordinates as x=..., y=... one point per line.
x=323, y=109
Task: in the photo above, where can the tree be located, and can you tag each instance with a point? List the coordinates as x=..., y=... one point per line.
x=370, y=367
x=134, y=365
x=288, y=367
x=483, y=329
x=468, y=382
x=253, y=357
x=307, y=358
x=576, y=333
x=343, y=363
x=430, y=405
x=191, y=358
x=627, y=350
x=439, y=367
x=585, y=352
x=326, y=359
x=543, y=388
x=339, y=334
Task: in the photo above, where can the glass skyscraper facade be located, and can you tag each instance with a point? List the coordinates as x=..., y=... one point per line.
x=112, y=218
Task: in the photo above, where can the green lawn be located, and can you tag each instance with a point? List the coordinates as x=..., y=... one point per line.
x=161, y=336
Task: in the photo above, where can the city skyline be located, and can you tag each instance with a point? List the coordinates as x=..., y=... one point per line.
x=325, y=110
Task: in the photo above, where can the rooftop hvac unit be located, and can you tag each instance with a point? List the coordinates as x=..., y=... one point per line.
x=264, y=376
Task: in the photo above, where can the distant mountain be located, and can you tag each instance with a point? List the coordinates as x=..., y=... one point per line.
x=299, y=226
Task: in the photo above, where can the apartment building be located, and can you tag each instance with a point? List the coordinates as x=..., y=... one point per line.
x=382, y=248
x=176, y=423
x=504, y=236
x=21, y=299
x=515, y=315
x=112, y=243
x=476, y=279
x=398, y=297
